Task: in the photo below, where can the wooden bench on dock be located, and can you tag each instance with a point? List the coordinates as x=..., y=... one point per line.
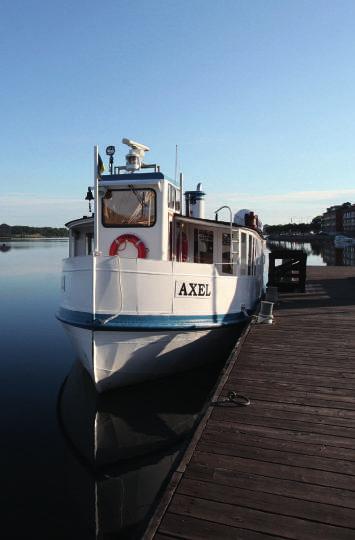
x=283, y=467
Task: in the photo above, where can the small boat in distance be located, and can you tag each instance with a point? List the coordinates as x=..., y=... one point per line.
x=148, y=290
x=341, y=240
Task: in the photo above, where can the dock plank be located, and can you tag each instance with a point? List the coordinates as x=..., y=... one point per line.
x=283, y=457
x=287, y=421
x=199, y=529
x=300, y=411
x=268, y=484
x=284, y=467
x=277, y=504
x=276, y=470
x=256, y=520
x=285, y=433
x=245, y=439
x=316, y=399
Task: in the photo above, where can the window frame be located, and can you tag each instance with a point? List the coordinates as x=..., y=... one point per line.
x=227, y=265
x=171, y=197
x=89, y=240
x=196, y=243
x=129, y=225
x=243, y=253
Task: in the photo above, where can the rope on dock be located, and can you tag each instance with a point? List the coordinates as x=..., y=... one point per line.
x=232, y=399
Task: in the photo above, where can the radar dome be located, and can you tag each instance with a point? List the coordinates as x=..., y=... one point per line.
x=239, y=217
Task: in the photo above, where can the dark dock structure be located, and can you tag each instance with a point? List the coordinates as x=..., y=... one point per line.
x=284, y=466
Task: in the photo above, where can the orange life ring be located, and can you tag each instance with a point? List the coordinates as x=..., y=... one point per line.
x=124, y=238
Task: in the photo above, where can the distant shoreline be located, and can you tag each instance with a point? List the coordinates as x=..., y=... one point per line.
x=298, y=237
x=32, y=237
x=13, y=232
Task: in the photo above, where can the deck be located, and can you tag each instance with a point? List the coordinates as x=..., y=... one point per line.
x=284, y=467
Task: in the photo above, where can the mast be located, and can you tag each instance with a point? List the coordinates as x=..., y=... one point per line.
x=96, y=229
x=181, y=191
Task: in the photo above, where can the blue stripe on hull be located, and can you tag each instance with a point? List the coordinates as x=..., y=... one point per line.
x=83, y=319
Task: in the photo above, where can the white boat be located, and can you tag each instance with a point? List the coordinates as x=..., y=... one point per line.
x=340, y=240
x=148, y=290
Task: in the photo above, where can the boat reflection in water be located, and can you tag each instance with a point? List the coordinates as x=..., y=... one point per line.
x=129, y=440
x=320, y=253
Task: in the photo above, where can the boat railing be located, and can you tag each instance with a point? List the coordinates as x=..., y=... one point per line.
x=231, y=228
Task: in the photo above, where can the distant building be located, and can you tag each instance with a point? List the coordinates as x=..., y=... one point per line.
x=5, y=231
x=349, y=220
x=339, y=219
x=332, y=220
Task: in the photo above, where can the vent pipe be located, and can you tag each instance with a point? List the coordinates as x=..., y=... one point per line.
x=195, y=202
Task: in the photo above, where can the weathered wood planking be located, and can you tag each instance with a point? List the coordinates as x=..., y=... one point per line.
x=284, y=467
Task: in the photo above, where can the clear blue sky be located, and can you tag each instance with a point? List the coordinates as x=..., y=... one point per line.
x=258, y=94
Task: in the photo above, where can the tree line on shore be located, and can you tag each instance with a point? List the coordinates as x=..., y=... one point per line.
x=296, y=228
x=23, y=231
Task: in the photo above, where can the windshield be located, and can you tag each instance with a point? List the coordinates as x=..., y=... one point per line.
x=129, y=208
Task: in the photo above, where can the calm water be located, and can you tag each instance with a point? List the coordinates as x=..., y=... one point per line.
x=320, y=253
x=75, y=466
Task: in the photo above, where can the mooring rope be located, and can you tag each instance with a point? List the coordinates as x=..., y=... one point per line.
x=232, y=399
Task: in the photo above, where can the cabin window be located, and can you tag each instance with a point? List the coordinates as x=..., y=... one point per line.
x=129, y=208
x=254, y=256
x=227, y=267
x=170, y=247
x=76, y=240
x=177, y=202
x=243, y=254
x=203, y=246
x=235, y=246
x=182, y=244
x=258, y=254
x=250, y=256
x=89, y=240
x=173, y=198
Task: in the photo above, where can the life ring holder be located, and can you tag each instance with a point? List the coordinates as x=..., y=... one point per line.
x=133, y=239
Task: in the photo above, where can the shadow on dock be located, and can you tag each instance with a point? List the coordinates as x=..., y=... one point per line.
x=327, y=291
x=284, y=467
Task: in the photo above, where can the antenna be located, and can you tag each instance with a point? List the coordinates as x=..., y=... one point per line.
x=176, y=161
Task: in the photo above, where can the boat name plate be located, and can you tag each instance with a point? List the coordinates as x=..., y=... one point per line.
x=192, y=289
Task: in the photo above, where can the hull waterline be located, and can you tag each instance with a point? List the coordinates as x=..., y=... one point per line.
x=120, y=358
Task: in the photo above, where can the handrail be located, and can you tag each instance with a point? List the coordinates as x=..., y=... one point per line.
x=231, y=228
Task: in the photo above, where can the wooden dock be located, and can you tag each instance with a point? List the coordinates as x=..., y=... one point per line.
x=284, y=467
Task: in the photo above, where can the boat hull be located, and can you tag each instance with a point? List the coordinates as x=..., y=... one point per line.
x=132, y=320
x=122, y=357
